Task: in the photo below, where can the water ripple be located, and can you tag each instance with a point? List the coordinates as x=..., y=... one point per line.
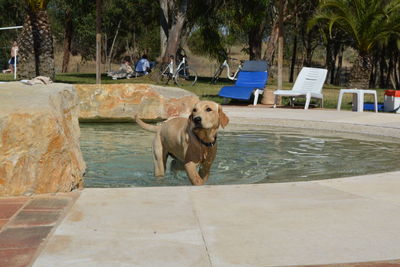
x=120, y=155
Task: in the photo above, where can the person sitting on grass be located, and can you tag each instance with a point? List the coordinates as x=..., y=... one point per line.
x=125, y=71
x=142, y=66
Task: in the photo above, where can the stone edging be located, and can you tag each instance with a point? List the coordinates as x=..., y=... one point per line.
x=325, y=126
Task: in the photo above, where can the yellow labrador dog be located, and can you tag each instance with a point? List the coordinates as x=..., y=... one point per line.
x=191, y=141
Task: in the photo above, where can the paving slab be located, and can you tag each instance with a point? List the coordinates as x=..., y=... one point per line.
x=26, y=223
x=135, y=227
x=7, y=210
x=383, y=186
x=3, y=222
x=35, y=218
x=47, y=204
x=17, y=238
x=294, y=224
x=17, y=257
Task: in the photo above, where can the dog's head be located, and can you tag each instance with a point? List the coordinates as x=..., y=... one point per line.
x=208, y=115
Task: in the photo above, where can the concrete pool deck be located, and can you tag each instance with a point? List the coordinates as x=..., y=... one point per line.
x=355, y=221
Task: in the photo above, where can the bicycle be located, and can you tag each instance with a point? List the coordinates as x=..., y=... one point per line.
x=183, y=75
x=230, y=76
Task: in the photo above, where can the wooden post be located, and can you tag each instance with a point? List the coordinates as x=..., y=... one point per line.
x=98, y=41
x=15, y=63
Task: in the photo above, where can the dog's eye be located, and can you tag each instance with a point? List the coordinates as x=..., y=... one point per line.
x=194, y=110
x=208, y=109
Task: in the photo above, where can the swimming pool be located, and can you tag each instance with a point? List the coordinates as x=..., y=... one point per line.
x=120, y=155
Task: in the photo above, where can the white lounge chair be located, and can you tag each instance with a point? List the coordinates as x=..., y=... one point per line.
x=308, y=84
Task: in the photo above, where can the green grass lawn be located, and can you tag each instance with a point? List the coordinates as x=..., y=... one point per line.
x=205, y=90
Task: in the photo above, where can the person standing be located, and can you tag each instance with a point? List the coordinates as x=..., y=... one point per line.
x=14, y=56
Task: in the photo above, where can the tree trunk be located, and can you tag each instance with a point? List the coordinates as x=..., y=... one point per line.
x=383, y=69
x=336, y=49
x=27, y=61
x=110, y=54
x=164, y=26
x=396, y=71
x=174, y=34
x=339, y=67
x=294, y=56
x=374, y=71
x=45, y=47
x=389, y=72
x=280, y=46
x=36, y=47
x=360, y=72
x=272, y=43
x=67, y=40
x=328, y=59
x=309, y=50
x=255, y=42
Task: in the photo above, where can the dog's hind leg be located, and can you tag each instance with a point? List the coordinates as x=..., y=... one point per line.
x=159, y=157
x=176, y=166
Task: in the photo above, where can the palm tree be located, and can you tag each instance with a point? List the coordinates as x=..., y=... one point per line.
x=367, y=23
x=36, y=54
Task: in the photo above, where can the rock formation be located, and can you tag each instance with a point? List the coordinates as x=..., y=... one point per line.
x=39, y=139
x=121, y=102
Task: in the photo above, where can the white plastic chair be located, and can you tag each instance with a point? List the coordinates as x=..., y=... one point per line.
x=308, y=84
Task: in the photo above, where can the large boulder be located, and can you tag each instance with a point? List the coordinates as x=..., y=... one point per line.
x=39, y=139
x=121, y=102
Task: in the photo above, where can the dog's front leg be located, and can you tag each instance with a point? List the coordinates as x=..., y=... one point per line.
x=205, y=167
x=204, y=173
x=191, y=171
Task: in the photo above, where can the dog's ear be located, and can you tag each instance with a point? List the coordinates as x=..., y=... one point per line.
x=223, y=119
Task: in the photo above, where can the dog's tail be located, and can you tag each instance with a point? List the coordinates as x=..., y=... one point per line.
x=146, y=126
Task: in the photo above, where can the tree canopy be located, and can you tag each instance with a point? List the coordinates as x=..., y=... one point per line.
x=369, y=24
x=212, y=27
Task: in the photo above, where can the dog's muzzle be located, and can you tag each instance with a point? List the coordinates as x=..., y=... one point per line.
x=197, y=122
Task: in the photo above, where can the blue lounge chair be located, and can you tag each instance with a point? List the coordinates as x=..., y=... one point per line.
x=248, y=83
x=255, y=65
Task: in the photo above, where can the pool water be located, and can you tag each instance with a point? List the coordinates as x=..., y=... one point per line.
x=120, y=155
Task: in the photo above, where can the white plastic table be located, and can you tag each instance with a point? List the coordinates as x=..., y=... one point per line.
x=358, y=98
